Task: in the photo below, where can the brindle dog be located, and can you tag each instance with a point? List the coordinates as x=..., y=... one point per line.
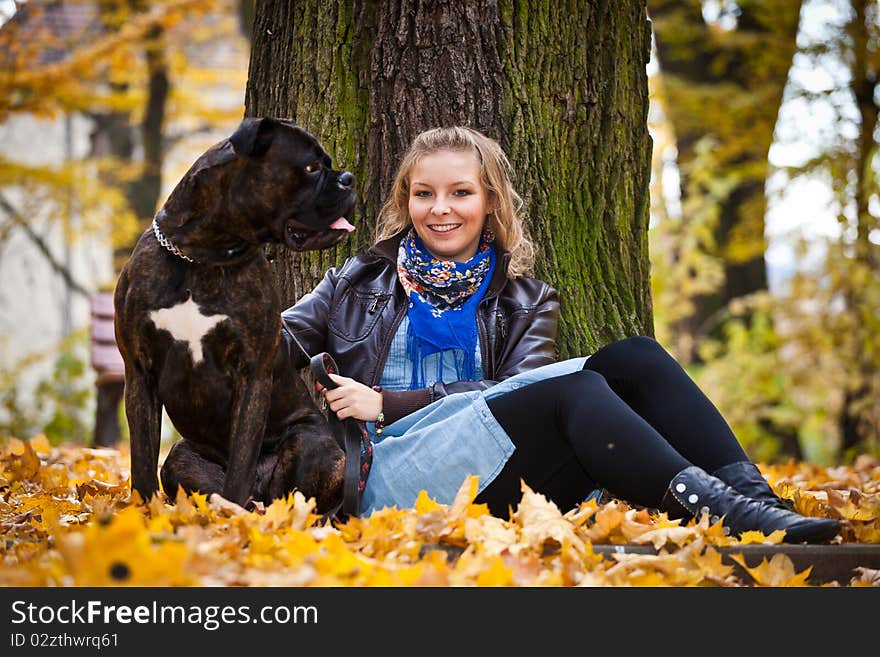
x=198, y=322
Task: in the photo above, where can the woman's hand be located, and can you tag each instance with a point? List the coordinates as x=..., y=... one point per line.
x=353, y=399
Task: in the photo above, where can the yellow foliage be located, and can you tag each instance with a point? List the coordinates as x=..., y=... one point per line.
x=779, y=571
x=68, y=519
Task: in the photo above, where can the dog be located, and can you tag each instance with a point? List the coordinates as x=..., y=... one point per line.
x=198, y=323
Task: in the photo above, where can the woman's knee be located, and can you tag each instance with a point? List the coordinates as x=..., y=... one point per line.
x=638, y=344
x=582, y=387
x=633, y=354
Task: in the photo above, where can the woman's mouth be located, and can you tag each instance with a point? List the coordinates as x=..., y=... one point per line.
x=443, y=228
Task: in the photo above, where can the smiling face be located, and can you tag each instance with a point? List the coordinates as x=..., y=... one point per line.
x=448, y=203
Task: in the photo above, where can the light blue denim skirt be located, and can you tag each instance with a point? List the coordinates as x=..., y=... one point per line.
x=438, y=446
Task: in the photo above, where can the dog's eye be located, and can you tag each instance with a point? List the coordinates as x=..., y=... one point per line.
x=311, y=168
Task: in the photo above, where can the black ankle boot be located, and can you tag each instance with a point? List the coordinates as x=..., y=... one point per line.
x=745, y=478
x=694, y=491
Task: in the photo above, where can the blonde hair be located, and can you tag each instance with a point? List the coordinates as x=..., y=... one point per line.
x=506, y=218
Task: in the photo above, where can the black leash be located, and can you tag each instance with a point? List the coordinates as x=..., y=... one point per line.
x=350, y=434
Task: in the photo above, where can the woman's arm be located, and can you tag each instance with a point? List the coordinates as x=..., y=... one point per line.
x=530, y=342
x=308, y=319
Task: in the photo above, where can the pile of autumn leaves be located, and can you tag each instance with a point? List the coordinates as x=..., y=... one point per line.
x=68, y=518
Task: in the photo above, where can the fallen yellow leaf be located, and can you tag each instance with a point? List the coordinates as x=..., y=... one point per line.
x=779, y=571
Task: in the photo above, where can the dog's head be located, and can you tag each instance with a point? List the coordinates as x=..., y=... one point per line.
x=270, y=181
x=291, y=181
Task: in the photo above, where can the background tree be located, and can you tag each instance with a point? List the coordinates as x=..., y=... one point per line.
x=131, y=71
x=860, y=421
x=562, y=88
x=797, y=370
x=724, y=68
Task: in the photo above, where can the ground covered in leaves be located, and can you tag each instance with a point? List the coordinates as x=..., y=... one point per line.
x=68, y=518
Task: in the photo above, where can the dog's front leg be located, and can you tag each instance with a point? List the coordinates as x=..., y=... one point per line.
x=249, y=414
x=144, y=414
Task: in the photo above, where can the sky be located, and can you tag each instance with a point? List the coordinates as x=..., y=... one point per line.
x=7, y=8
x=804, y=207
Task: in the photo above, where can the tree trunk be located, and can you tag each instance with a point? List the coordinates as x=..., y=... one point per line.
x=246, y=9
x=727, y=84
x=860, y=419
x=114, y=133
x=562, y=88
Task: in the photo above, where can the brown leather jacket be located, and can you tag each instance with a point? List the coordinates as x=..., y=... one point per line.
x=354, y=312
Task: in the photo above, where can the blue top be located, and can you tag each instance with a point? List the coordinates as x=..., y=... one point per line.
x=436, y=447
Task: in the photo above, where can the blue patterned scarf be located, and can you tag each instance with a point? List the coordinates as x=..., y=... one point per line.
x=442, y=313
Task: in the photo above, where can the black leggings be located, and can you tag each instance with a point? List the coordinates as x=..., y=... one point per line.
x=628, y=422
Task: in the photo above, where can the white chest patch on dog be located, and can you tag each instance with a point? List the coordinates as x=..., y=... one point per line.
x=187, y=323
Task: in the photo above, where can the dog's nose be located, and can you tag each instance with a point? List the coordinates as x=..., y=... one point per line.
x=346, y=179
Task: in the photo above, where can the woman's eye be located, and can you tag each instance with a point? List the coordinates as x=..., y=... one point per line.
x=462, y=192
x=421, y=194
x=311, y=168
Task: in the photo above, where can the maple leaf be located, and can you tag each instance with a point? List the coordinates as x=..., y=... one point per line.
x=866, y=577
x=431, y=525
x=434, y=570
x=303, y=514
x=847, y=509
x=277, y=514
x=607, y=518
x=222, y=506
x=123, y=554
x=632, y=568
x=775, y=537
x=541, y=521
x=425, y=504
x=23, y=463
x=95, y=487
x=79, y=525
x=527, y=570
x=715, y=532
x=779, y=571
x=496, y=574
x=492, y=535
x=635, y=523
x=14, y=447
x=40, y=444
x=866, y=533
x=200, y=502
x=710, y=562
x=584, y=511
x=465, y=496
x=810, y=503
x=463, y=504
x=661, y=536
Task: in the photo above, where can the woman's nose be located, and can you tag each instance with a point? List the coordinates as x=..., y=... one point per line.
x=440, y=208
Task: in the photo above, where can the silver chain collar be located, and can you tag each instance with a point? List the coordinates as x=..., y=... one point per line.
x=164, y=241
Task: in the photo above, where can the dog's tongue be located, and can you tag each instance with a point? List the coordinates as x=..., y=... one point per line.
x=342, y=224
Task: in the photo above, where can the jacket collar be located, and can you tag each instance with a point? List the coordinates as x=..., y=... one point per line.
x=387, y=249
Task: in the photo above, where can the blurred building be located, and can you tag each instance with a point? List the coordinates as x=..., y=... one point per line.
x=47, y=277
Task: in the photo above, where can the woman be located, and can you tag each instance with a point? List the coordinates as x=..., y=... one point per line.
x=450, y=355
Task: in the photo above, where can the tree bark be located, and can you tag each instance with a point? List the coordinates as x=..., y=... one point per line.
x=562, y=88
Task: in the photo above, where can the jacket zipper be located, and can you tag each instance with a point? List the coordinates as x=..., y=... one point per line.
x=502, y=327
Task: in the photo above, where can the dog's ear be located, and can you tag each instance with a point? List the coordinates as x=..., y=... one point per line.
x=253, y=136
